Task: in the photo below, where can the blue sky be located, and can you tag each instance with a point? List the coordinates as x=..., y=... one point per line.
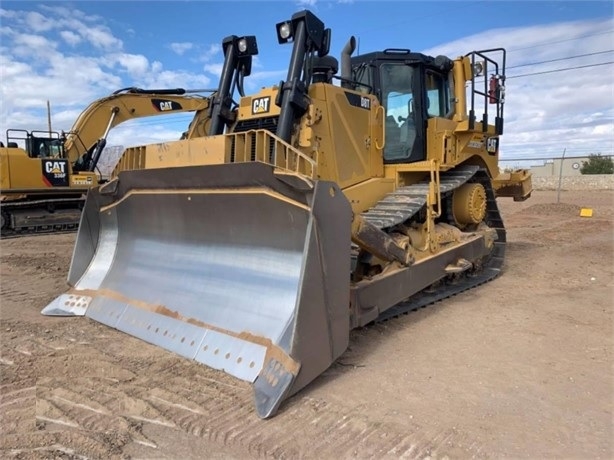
x=71, y=53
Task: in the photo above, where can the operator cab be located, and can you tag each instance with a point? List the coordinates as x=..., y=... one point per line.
x=37, y=144
x=412, y=87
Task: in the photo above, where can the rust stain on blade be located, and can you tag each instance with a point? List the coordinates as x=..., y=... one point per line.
x=272, y=351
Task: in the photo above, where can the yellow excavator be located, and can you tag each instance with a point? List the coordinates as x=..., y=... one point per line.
x=44, y=175
x=313, y=207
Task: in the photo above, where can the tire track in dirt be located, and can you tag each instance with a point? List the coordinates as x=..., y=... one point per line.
x=125, y=392
x=95, y=406
x=16, y=295
x=297, y=430
x=68, y=443
x=76, y=407
x=17, y=407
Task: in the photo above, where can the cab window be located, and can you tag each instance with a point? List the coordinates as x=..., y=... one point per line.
x=437, y=95
x=396, y=87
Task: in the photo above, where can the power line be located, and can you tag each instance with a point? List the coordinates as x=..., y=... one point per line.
x=582, y=140
x=554, y=153
x=560, y=70
x=551, y=151
x=549, y=158
x=561, y=41
x=561, y=59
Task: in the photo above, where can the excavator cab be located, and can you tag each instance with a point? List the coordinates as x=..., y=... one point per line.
x=37, y=144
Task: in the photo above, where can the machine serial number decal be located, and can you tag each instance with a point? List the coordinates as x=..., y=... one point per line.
x=82, y=181
x=261, y=105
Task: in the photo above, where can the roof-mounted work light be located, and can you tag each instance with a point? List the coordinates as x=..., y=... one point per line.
x=242, y=46
x=284, y=32
x=316, y=37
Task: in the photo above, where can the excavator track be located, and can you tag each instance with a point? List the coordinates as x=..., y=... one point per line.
x=388, y=213
x=64, y=219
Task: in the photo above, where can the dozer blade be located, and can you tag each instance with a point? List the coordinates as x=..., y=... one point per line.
x=234, y=266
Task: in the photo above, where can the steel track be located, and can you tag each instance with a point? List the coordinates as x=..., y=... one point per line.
x=490, y=269
x=18, y=234
x=41, y=228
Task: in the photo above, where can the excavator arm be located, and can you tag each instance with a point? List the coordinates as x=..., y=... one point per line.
x=87, y=138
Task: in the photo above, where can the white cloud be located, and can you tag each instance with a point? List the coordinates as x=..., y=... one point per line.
x=38, y=22
x=607, y=129
x=11, y=69
x=100, y=37
x=546, y=113
x=524, y=40
x=71, y=58
x=40, y=62
x=152, y=130
x=70, y=37
x=255, y=81
x=88, y=27
x=181, y=48
x=135, y=64
x=32, y=46
x=62, y=13
x=215, y=69
x=210, y=52
x=174, y=79
x=156, y=66
x=8, y=14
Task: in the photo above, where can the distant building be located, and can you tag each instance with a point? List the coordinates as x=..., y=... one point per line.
x=571, y=167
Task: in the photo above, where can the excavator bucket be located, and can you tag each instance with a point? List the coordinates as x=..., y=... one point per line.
x=236, y=266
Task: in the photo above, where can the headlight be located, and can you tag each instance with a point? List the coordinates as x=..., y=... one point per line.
x=478, y=68
x=242, y=45
x=284, y=30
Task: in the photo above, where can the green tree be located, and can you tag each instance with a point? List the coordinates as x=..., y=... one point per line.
x=596, y=164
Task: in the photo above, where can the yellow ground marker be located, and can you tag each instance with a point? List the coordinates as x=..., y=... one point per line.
x=586, y=212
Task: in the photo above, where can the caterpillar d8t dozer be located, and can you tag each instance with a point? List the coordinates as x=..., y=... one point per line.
x=311, y=208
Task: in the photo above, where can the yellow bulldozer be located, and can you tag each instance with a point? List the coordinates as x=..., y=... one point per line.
x=319, y=205
x=44, y=175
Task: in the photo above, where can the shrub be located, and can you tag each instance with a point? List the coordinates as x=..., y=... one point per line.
x=596, y=164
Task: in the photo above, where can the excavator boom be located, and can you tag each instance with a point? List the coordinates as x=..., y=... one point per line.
x=87, y=138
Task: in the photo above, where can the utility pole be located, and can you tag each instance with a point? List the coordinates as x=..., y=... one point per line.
x=49, y=117
x=558, y=193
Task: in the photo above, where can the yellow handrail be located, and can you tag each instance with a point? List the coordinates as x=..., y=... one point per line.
x=263, y=146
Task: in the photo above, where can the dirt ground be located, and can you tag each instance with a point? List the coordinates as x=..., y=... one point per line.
x=519, y=367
